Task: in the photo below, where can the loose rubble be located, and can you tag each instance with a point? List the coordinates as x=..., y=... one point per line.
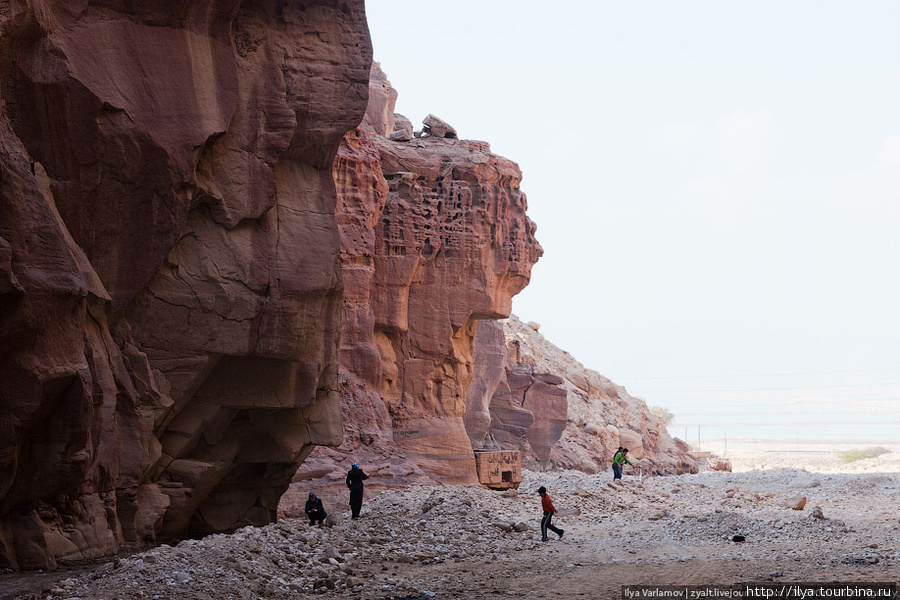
x=470, y=542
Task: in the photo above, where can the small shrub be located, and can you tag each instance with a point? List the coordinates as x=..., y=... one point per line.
x=854, y=455
x=663, y=413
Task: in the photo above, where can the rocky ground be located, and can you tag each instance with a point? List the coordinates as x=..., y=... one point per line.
x=470, y=542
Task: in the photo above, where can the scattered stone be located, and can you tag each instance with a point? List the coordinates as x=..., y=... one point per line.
x=431, y=502
x=796, y=502
x=289, y=560
x=503, y=525
x=720, y=464
x=805, y=481
x=817, y=513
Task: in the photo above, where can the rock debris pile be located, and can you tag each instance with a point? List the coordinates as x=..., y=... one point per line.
x=466, y=541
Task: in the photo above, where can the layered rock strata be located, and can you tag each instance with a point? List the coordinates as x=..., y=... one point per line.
x=170, y=277
x=434, y=237
x=529, y=395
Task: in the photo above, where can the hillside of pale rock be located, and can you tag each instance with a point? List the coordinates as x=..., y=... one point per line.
x=600, y=416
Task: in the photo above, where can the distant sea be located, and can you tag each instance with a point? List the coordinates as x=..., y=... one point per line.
x=840, y=414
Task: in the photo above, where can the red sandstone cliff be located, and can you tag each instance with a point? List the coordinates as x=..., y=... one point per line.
x=529, y=395
x=434, y=237
x=187, y=304
x=170, y=276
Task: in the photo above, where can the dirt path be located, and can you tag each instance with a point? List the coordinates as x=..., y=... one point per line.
x=593, y=561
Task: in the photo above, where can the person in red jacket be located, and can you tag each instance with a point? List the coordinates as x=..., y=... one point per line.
x=549, y=509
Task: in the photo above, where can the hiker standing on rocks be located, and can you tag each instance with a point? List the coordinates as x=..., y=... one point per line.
x=549, y=509
x=315, y=510
x=355, y=478
x=620, y=458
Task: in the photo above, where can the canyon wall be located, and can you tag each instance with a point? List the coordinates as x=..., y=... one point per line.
x=170, y=274
x=434, y=238
x=434, y=243
x=208, y=256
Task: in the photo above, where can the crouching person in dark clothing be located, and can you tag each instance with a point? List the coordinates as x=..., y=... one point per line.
x=314, y=510
x=355, y=478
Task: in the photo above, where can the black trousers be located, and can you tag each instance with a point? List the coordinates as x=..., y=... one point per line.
x=546, y=524
x=356, y=499
x=317, y=518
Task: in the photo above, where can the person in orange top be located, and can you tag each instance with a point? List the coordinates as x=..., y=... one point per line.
x=549, y=509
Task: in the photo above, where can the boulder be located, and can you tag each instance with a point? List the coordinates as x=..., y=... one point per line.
x=436, y=127
x=506, y=526
x=403, y=129
x=633, y=441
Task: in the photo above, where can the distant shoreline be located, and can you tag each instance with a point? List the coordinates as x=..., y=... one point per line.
x=802, y=441
x=823, y=456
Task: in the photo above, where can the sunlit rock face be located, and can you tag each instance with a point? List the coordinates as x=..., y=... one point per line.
x=531, y=396
x=170, y=276
x=434, y=237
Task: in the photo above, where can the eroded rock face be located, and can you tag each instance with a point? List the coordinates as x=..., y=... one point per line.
x=434, y=237
x=555, y=411
x=170, y=275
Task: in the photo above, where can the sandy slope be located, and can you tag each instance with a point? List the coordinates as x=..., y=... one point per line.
x=449, y=542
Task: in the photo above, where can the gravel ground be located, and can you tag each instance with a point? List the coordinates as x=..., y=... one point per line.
x=470, y=542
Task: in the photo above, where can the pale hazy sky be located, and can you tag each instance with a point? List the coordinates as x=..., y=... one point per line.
x=716, y=185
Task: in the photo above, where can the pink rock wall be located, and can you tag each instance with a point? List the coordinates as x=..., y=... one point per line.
x=510, y=406
x=170, y=276
x=434, y=237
